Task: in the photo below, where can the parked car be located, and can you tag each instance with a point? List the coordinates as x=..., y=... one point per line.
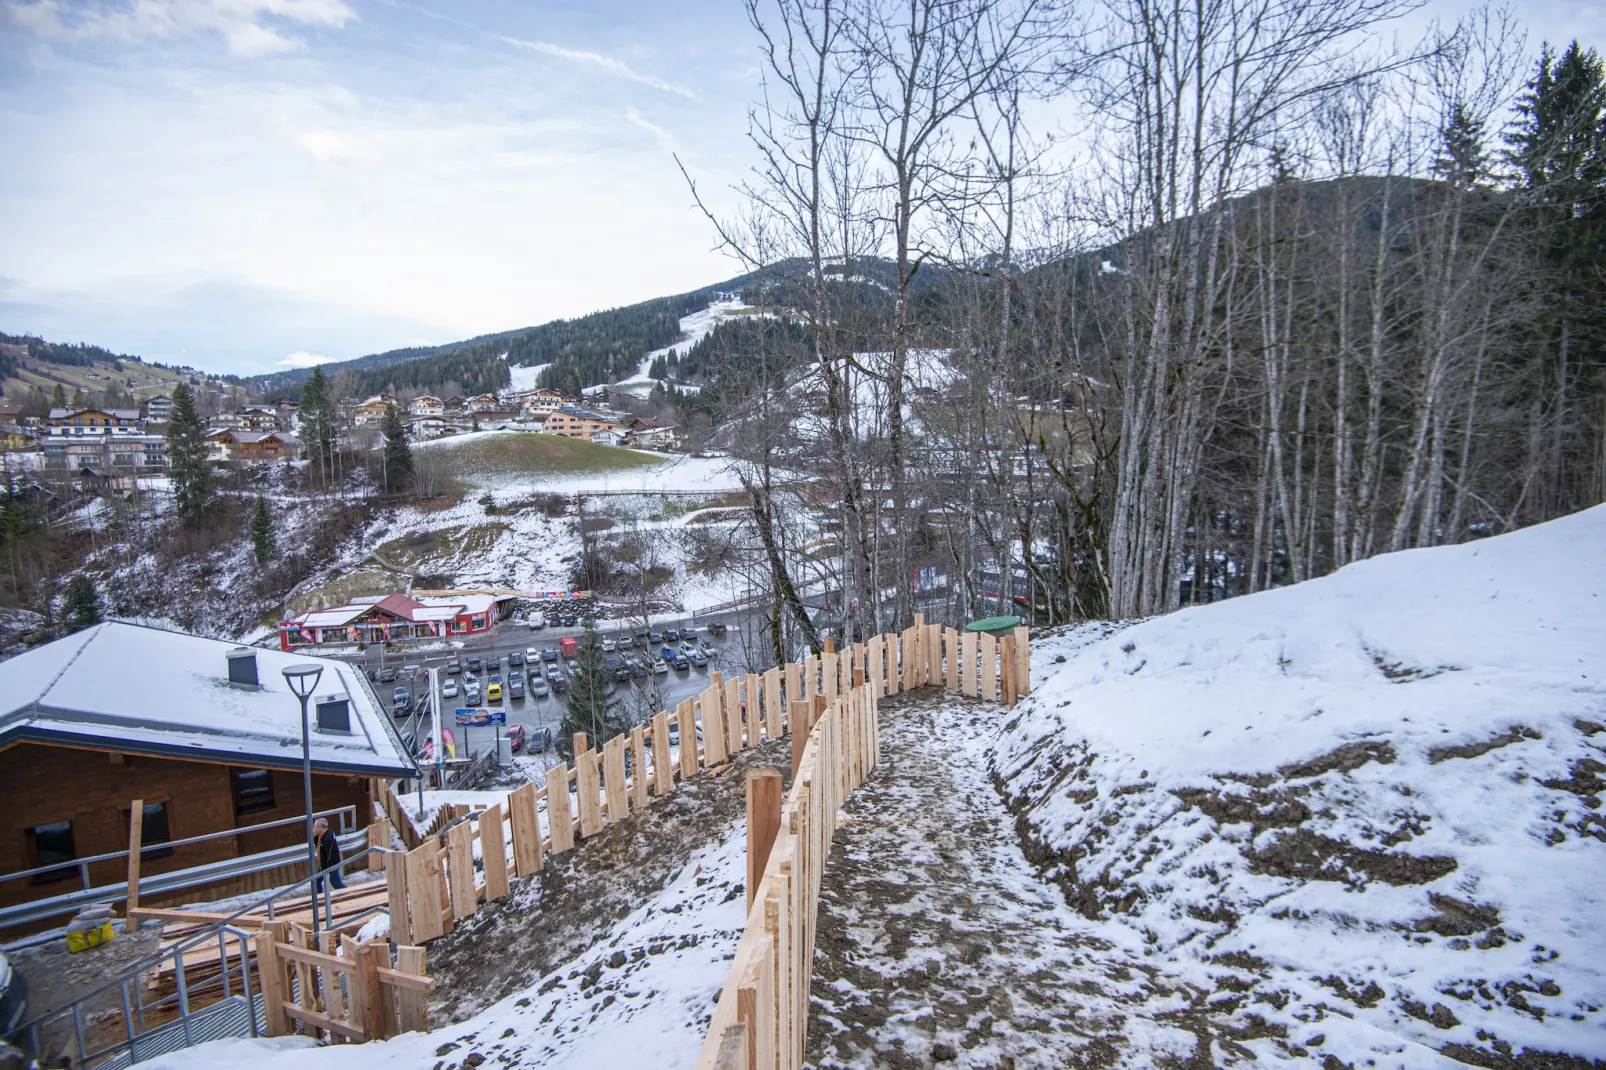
x=471, y=692
x=515, y=737
x=494, y=678
x=637, y=667
x=655, y=637
x=716, y=628
x=387, y=674
x=666, y=652
x=400, y=697
x=708, y=648
x=539, y=688
x=493, y=662
x=681, y=664
x=474, y=664
x=697, y=658
x=659, y=668
x=609, y=646
x=493, y=692
x=559, y=682
x=574, y=666
x=516, y=658
x=449, y=689
x=537, y=622
x=452, y=667
x=532, y=656
x=548, y=654
x=627, y=642
x=541, y=739
x=670, y=635
x=687, y=648
x=515, y=686
x=569, y=645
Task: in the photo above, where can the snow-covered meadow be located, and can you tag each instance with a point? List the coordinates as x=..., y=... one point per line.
x=1369, y=803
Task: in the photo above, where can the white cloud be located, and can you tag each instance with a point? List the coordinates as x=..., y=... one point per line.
x=302, y=359
x=613, y=66
x=244, y=25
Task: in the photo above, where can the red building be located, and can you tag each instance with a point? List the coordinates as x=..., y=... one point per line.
x=394, y=616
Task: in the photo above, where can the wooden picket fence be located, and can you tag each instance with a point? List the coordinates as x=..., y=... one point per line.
x=338, y=988
x=471, y=858
x=761, y=1019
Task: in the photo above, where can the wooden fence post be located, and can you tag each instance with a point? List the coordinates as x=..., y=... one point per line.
x=412, y=1007
x=526, y=829
x=378, y=836
x=733, y=714
x=423, y=893
x=136, y=841
x=763, y=823
x=950, y=643
x=559, y=817
x=1023, y=660
x=686, y=713
x=773, y=723
x=989, y=667
x=967, y=663
x=638, y=767
x=270, y=975
x=493, y=853
x=713, y=720
x=614, y=793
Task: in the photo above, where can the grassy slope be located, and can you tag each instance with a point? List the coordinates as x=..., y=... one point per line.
x=491, y=459
x=148, y=381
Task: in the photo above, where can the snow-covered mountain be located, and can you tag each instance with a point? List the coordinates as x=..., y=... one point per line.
x=1367, y=807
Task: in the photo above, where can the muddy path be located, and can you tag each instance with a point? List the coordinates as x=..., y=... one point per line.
x=938, y=944
x=578, y=896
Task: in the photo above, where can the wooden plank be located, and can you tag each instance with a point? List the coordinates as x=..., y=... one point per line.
x=559, y=811
x=811, y=677
x=968, y=674
x=412, y=1009
x=774, y=719
x=493, y=854
x=686, y=712
x=1023, y=660
x=989, y=667
x=616, y=792
x=401, y=927
x=589, y=788
x=763, y=824
x=334, y=1026
x=526, y=830
x=136, y=842
x=378, y=836
x=713, y=721
x=1006, y=669
x=794, y=682
x=423, y=893
x=638, y=767
x=950, y=659
x=663, y=777
x=828, y=675
x=362, y=989
x=732, y=704
x=408, y=981
x=460, y=869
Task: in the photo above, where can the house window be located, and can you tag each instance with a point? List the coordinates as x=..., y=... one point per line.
x=153, y=830
x=52, y=846
x=253, y=791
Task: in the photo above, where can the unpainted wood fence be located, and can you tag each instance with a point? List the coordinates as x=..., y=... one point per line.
x=338, y=988
x=471, y=860
x=761, y=1019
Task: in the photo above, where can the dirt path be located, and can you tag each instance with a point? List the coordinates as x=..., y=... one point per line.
x=938, y=945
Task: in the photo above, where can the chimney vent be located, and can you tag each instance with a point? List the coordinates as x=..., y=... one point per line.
x=243, y=667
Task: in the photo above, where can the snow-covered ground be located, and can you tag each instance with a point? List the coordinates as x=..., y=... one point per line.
x=1370, y=802
x=693, y=329
x=521, y=379
x=638, y=997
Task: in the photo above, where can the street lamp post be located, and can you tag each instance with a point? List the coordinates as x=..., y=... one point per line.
x=303, y=680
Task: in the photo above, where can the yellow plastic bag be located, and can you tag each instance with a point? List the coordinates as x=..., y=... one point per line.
x=85, y=939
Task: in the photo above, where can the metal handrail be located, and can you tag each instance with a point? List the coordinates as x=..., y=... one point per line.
x=348, y=821
x=218, y=930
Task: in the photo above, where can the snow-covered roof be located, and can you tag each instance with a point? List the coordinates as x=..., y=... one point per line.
x=143, y=690
x=120, y=414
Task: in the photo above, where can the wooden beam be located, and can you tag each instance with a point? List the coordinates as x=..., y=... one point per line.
x=493, y=854
x=136, y=837
x=411, y=1007
x=559, y=814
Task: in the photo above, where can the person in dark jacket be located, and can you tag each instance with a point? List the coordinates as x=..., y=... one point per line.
x=328, y=853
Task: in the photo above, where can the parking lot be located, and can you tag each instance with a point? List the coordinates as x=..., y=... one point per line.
x=641, y=695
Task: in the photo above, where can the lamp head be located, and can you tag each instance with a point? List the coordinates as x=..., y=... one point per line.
x=303, y=678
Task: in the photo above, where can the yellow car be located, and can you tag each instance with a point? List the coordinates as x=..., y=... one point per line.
x=493, y=693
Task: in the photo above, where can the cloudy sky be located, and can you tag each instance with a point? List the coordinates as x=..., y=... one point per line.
x=237, y=183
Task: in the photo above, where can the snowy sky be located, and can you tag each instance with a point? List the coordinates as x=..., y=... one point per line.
x=227, y=183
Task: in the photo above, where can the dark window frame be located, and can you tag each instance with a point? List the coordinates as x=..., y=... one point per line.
x=147, y=836
x=257, y=800
x=63, y=869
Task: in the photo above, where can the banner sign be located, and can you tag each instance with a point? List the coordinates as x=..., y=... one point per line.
x=483, y=716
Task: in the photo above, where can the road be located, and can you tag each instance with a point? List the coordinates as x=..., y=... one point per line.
x=643, y=697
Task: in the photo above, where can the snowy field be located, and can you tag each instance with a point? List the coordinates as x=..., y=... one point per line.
x=638, y=997
x=1370, y=801
x=693, y=329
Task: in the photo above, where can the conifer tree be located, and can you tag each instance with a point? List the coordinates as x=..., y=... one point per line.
x=58, y=398
x=398, y=455
x=262, y=532
x=318, y=420
x=588, y=710
x=82, y=607
x=191, y=471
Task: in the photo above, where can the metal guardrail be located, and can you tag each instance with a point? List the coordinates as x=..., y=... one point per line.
x=177, y=880
x=127, y=984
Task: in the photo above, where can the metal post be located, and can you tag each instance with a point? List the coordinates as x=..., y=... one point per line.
x=183, y=998
x=128, y=1018
x=78, y=1028
x=223, y=960
x=306, y=787
x=245, y=983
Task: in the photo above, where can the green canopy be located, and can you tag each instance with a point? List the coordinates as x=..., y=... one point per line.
x=994, y=625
